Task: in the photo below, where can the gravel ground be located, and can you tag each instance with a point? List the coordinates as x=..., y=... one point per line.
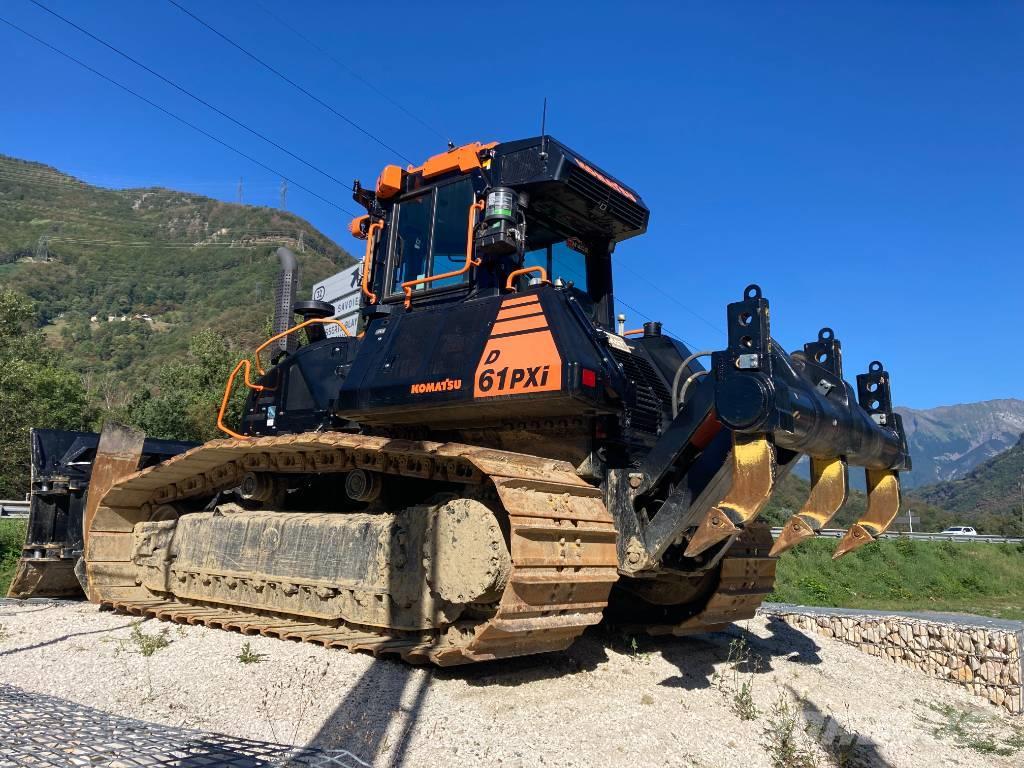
x=605, y=702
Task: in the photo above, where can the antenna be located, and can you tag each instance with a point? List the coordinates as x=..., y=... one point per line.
x=543, y=125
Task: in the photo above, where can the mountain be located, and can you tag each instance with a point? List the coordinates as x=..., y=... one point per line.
x=989, y=496
x=125, y=277
x=948, y=442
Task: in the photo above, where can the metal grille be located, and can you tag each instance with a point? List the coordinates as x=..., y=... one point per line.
x=46, y=732
x=522, y=166
x=651, y=393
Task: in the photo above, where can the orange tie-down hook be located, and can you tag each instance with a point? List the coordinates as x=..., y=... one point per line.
x=247, y=365
x=408, y=285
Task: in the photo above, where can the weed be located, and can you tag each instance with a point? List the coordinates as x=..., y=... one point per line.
x=743, y=702
x=634, y=649
x=819, y=589
x=145, y=644
x=781, y=739
x=974, y=731
x=248, y=656
x=739, y=660
x=906, y=547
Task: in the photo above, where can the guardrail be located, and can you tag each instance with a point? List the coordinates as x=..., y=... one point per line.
x=11, y=508
x=838, y=533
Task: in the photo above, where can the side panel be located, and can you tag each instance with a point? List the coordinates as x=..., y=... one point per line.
x=493, y=358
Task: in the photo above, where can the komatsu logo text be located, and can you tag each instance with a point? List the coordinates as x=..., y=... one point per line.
x=444, y=385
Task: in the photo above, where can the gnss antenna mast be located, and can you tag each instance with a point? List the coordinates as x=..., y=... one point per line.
x=543, y=136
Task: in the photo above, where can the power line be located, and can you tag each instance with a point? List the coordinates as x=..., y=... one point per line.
x=288, y=80
x=670, y=297
x=344, y=67
x=191, y=95
x=167, y=112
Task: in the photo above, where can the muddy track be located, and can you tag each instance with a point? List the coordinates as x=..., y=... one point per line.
x=562, y=543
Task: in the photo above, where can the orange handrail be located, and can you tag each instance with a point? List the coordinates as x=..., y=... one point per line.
x=470, y=261
x=371, y=232
x=227, y=396
x=293, y=329
x=247, y=365
x=634, y=332
x=524, y=271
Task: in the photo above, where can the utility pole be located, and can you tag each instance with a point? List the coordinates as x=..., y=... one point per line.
x=284, y=194
x=240, y=190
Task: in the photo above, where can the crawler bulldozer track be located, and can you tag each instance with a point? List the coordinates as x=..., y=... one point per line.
x=746, y=577
x=561, y=540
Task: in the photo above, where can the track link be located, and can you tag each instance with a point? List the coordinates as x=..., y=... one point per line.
x=562, y=543
x=746, y=578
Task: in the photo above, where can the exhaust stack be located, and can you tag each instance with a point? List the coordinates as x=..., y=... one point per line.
x=284, y=301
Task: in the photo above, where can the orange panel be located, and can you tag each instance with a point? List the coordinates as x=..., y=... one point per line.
x=531, y=323
x=519, y=302
x=462, y=159
x=520, y=311
x=519, y=363
x=355, y=227
x=389, y=183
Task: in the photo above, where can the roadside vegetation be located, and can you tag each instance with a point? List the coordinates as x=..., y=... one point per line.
x=900, y=574
x=12, y=536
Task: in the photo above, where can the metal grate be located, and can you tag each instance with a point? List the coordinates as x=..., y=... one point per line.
x=46, y=732
x=651, y=392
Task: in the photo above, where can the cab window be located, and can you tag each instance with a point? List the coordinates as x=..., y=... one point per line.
x=430, y=237
x=560, y=262
x=412, y=240
x=569, y=265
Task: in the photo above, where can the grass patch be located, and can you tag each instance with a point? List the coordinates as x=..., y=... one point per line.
x=979, y=733
x=900, y=574
x=12, y=537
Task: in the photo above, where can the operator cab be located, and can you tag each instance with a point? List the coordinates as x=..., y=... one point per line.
x=484, y=219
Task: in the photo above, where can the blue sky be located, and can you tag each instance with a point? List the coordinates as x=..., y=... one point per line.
x=862, y=161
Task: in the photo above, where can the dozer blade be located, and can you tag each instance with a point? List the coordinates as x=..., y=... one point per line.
x=883, y=506
x=117, y=456
x=753, y=476
x=830, y=487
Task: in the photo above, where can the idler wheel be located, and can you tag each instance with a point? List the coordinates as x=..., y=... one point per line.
x=464, y=553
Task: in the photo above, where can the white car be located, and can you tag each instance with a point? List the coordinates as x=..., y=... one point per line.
x=960, y=530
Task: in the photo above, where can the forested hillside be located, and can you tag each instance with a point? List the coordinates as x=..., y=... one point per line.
x=170, y=263
x=990, y=496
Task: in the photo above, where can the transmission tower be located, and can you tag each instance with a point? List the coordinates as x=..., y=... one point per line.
x=240, y=190
x=43, y=249
x=284, y=194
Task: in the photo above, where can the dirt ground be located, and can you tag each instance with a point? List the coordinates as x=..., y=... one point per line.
x=758, y=695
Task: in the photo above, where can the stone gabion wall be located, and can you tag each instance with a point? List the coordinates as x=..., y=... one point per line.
x=985, y=661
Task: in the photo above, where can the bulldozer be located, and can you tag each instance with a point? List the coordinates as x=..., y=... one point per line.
x=485, y=463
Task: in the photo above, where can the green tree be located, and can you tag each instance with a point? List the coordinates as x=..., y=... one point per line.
x=36, y=390
x=186, y=400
